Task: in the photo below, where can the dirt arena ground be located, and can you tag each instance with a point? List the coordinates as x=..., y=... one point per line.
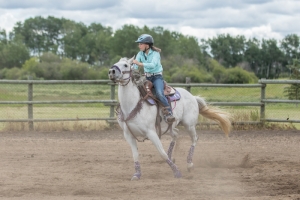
x=98, y=165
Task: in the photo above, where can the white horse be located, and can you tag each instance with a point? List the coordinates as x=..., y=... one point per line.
x=138, y=117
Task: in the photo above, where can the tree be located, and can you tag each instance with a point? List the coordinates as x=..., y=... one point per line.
x=293, y=92
x=123, y=41
x=39, y=34
x=227, y=50
x=96, y=44
x=272, y=59
x=13, y=54
x=3, y=37
x=72, y=33
x=253, y=55
x=291, y=47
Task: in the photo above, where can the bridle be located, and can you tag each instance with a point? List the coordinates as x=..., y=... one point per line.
x=120, y=82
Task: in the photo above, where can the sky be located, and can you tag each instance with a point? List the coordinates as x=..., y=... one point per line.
x=200, y=18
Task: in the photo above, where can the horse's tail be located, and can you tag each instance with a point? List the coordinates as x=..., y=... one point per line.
x=216, y=114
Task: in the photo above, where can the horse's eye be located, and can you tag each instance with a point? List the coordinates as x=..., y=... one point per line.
x=125, y=65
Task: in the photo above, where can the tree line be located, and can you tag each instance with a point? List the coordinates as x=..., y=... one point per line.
x=59, y=48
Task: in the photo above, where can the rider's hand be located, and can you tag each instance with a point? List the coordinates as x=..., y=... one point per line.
x=137, y=63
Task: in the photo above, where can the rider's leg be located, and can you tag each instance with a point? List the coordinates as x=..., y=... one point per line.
x=158, y=84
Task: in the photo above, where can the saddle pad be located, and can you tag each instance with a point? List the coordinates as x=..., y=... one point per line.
x=174, y=97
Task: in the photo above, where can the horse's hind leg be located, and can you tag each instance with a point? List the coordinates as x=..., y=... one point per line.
x=132, y=142
x=194, y=137
x=157, y=143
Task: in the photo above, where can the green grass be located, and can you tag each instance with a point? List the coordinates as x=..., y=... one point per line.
x=43, y=112
x=212, y=94
x=18, y=92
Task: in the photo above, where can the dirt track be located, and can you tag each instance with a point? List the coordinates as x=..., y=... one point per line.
x=99, y=165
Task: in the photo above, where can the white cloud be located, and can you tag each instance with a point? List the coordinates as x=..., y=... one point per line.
x=59, y=4
x=203, y=19
x=257, y=32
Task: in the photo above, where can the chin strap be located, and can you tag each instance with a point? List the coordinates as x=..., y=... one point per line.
x=145, y=52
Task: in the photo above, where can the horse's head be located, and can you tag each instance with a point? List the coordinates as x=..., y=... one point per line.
x=121, y=71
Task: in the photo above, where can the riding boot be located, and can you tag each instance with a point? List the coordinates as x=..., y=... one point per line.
x=168, y=116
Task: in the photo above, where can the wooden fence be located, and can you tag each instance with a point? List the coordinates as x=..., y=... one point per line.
x=113, y=102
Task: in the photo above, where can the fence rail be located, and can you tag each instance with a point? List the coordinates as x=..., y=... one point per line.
x=59, y=102
x=56, y=81
x=112, y=101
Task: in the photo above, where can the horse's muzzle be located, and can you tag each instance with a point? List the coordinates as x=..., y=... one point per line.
x=112, y=74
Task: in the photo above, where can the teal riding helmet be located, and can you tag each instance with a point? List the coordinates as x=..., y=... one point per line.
x=145, y=38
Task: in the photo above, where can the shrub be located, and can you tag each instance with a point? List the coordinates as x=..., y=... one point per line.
x=196, y=75
x=13, y=74
x=238, y=75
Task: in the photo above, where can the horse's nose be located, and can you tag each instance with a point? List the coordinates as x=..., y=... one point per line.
x=111, y=71
x=111, y=74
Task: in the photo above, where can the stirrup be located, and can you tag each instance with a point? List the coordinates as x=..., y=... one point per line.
x=169, y=118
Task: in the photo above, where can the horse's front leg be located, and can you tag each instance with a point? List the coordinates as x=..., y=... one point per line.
x=170, y=150
x=132, y=142
x=173, y=133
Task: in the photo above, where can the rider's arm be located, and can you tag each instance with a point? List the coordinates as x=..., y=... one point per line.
x=155, y=62
x=137, y=58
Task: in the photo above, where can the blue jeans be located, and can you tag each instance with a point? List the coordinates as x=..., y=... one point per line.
x=158, y=84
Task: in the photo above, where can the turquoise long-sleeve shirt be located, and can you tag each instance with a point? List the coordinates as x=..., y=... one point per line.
x=151, y=61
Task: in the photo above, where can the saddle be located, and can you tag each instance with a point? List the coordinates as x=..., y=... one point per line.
x=168, y=90
x=145, y=87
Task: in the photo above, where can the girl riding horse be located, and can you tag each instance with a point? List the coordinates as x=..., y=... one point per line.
x=149, y=58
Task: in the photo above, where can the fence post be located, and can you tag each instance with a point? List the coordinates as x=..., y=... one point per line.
x=30, y=106
x=188, y=81
x=263, y=106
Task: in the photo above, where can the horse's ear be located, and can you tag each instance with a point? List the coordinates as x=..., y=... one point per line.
x=131, y=59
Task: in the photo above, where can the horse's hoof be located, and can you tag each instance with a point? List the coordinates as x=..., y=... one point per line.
x=177, y=174
x=190, y=167
x=135, y=178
